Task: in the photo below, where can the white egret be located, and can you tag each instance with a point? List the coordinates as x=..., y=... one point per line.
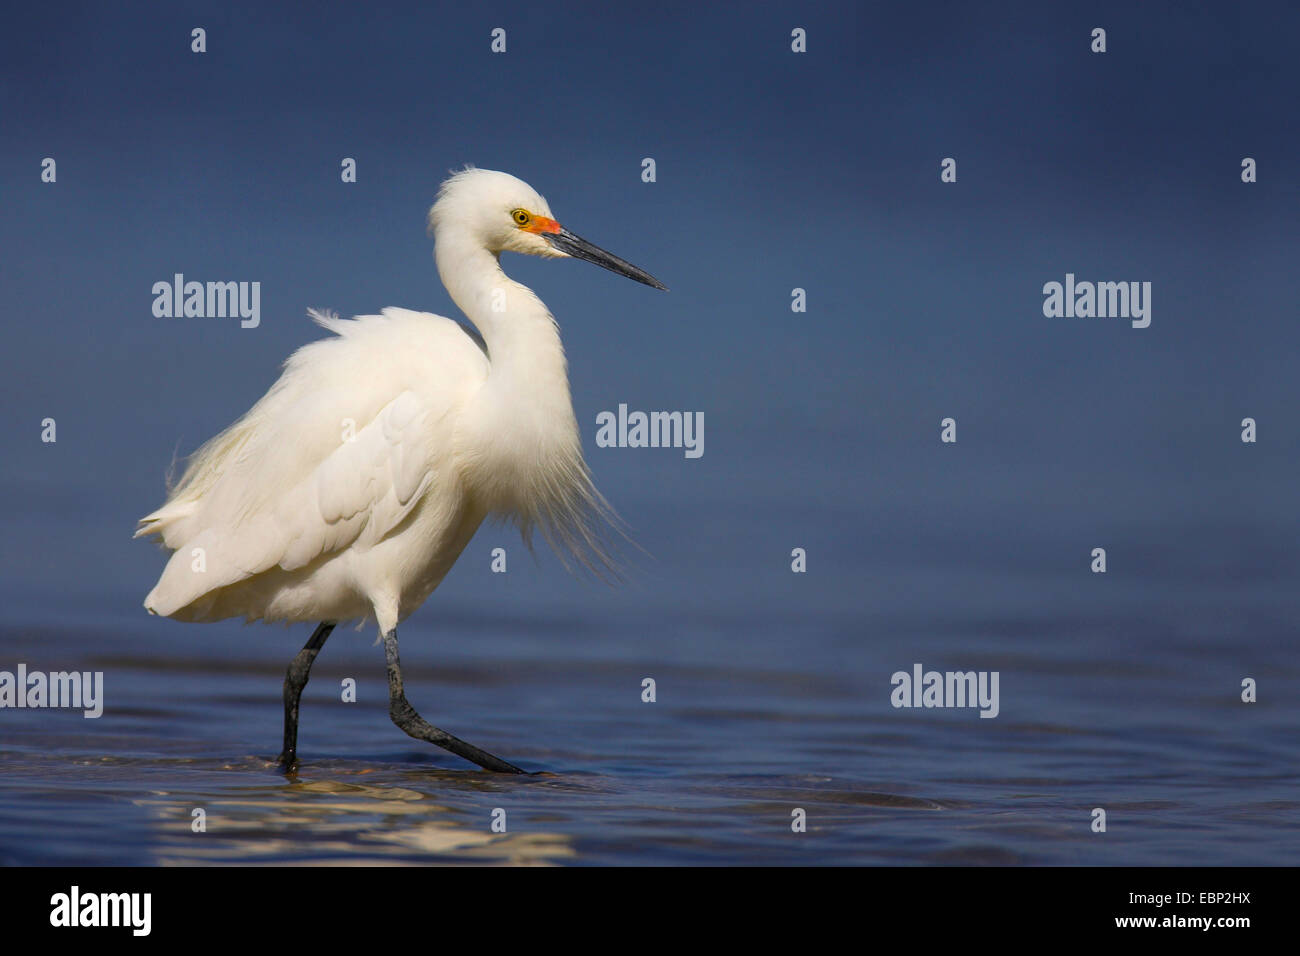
x=351, y=488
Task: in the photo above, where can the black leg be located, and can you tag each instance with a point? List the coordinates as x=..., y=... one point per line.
x=405, y=716
x=295, y=679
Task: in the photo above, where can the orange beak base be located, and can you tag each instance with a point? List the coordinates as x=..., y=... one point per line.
x=541, y=224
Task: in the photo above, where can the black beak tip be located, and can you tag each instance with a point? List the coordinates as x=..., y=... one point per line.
x=580, y=248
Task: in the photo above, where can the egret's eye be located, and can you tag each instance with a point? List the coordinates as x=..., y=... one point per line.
x=521, y=217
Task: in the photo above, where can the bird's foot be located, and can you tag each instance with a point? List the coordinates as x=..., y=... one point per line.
x=406, y=717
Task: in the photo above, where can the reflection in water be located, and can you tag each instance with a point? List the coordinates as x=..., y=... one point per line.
x=329, y=821
x=715, y=772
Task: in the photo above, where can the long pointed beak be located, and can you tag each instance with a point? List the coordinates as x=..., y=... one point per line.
x=580, y=248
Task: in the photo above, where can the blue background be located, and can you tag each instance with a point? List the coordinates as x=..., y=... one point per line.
x=775, y=171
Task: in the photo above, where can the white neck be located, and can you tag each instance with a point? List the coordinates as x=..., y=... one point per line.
x=523, y=341
x=525, y=436
x=525, y=453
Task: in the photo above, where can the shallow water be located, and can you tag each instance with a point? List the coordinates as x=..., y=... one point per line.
x=1119, y=691
x=756, y=715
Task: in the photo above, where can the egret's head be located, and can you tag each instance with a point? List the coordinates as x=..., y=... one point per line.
x=504, y=214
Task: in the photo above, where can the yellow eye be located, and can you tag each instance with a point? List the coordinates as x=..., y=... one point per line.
x=521, y=217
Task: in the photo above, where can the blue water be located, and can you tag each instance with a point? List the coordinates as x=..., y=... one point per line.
x=820, y=171
x=773, y=693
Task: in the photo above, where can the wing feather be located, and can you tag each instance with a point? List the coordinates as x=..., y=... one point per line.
x=317, y=466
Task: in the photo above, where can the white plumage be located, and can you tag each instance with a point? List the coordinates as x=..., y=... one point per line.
x=353, y=485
